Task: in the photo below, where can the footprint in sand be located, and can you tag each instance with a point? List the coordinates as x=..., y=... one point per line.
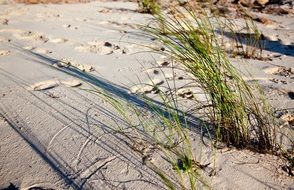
x=185, y=93
x=58, y=40
x=282, y=71
x=141, y=89
x=99, y=47
x=67, y=63
x=149, y=87
x=189, y=93
x=4, y=52
x=37, y=50
x=44, y=85
x=48, y=84
x=29, y=35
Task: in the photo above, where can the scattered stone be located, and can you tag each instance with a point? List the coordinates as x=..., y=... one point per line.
x=291, y=95
x=288, y=118
x=155, y=71
x=107, y=44
x=163, y=63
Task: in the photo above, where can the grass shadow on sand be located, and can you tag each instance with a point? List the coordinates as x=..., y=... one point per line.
x=55, y=161
x=79, y=122
x=120, y=92
x=19, y=126
x=267, y=44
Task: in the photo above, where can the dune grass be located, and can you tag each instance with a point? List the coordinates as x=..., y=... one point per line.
x=148, y=6
x=237, y=114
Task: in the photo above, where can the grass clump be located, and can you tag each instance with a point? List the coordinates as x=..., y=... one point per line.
x=149, y=6
x=239, y=118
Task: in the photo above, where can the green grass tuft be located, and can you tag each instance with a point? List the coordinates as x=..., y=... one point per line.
x=238, y=116
x=149, y=6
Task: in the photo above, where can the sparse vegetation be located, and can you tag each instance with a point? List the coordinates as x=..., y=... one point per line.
x=148, y=6
x=237, y=115
x=164, y=128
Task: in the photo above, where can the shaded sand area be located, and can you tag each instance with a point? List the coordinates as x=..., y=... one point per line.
x=57, y=135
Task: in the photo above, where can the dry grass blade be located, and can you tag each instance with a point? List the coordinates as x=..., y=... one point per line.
x=239, y=117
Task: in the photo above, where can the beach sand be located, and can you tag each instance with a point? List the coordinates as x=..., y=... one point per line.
x=56, y=135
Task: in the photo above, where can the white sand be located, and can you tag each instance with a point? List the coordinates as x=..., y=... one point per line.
x=60, y=136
